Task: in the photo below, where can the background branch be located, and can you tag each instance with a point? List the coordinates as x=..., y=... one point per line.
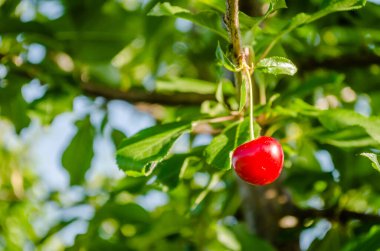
x=333, y=214
x=135, y=95
x=339, y=63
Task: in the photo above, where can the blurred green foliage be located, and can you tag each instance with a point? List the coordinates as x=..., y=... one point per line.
x=326, y=116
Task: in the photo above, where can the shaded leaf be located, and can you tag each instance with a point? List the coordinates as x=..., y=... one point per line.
x=117, y=136
x=223, y=60
x=340, y=118
x=248, y=240
x=303, y=18
x=133, y=185
x=16, y=111
x=333, y=240
x=169, y=223
x=248, y=22
x=127, y=213
x=12, y=103
x=367, y=242
x=346, y=137
x=173, y=168
x=170, y=169
x=78, y=155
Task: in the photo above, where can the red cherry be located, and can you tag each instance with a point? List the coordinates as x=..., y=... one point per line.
x=258, y=162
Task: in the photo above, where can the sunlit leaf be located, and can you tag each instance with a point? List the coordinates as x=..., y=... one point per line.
x=243, y=95
x=166, y=9
x=218, y=152
x=148, y=147
x=276, y=66
x=373, y=158
x=277, y=4
x=219, y=93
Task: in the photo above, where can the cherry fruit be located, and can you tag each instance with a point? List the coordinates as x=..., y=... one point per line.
x=258, y=162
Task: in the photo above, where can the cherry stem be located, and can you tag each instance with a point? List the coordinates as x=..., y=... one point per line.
x=241, y=55
x=247, y=74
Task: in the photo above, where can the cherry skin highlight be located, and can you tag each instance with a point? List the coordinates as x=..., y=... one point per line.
x=258, y=162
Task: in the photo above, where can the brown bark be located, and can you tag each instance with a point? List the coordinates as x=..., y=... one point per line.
x=135, y=96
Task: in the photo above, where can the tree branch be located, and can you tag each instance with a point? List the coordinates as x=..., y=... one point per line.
x=340, y=63
x=231, y=19
x=135, y=95
x=333, y=214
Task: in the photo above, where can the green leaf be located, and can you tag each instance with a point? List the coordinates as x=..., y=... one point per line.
x=248, y=240
x=219, y=96
x=330, y=7
x=12, y=103
x=367, y=242
x=171, y=170
x=148, y=147
x=215, y=4
x=276, y=66
x=54, y=102
x=218, y=152
x=342, y=5
x=340, y=118
x=132, y=185
x=166, y=9
x=227, y=238
x=350, y=137
x=54, y=230
x=169, y=223
x=223, y=60
x=208, y=19
x=333, y=240
x=117, y=136
x=16, y=111
x=78, y=155
x=303, y=18
x=248, y=22
x=373, y=158
x=128, y=213
x=277, y=4
x=213, y=108
x=309, y=84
